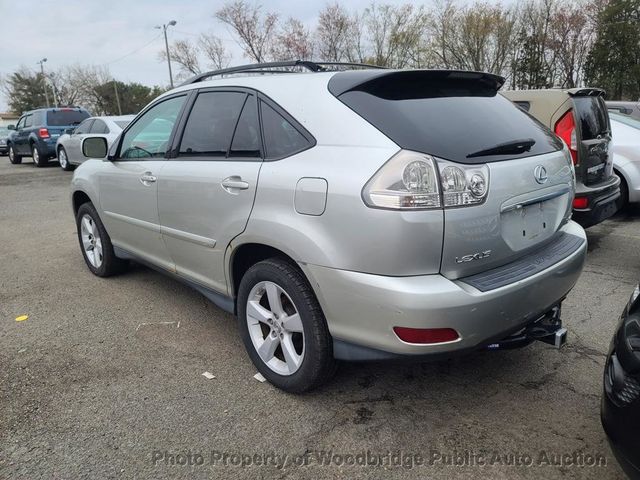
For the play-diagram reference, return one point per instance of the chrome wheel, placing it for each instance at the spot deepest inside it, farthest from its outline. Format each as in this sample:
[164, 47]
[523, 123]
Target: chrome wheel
[275, 328]
[11, 155]
[35, 155]
[62, 158]
[91, 241]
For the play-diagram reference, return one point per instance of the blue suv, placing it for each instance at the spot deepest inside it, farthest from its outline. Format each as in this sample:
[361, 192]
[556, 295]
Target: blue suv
[37, 131]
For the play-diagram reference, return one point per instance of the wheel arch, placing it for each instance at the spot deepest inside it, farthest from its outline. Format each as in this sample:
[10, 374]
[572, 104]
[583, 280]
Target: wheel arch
[78, 198]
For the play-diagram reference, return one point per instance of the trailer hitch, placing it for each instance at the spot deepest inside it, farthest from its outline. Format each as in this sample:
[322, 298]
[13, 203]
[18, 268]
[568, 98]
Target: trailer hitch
[547, 328]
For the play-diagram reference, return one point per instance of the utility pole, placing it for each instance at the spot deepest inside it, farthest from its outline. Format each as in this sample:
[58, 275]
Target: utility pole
[44, 80]
[166, 45]
[115, 87]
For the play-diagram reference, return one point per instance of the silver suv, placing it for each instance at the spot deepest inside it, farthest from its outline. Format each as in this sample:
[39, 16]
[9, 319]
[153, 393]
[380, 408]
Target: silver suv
[362, 214]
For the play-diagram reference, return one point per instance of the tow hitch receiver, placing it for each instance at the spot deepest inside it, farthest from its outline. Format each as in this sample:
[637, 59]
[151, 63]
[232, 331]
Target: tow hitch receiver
[548, 329]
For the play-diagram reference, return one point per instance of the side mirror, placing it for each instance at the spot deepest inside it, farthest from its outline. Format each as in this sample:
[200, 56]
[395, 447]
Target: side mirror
[94, 147]
[69, 131]
[11, 127]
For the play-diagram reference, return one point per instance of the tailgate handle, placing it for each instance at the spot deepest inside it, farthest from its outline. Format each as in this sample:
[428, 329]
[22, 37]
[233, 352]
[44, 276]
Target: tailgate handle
[547, 196]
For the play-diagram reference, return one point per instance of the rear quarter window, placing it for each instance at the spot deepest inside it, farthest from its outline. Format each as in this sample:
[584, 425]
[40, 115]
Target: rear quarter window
[281, 137]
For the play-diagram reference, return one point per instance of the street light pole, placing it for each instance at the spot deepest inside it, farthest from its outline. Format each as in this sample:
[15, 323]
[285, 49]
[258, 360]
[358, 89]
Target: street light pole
[44, 80]
[166, 45]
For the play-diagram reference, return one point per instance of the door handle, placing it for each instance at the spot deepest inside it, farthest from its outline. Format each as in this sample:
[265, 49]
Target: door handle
[234, 183]
[148, 178]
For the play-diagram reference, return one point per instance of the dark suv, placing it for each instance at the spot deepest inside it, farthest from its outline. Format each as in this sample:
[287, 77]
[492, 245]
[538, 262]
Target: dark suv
[579, 116]
[38, 130]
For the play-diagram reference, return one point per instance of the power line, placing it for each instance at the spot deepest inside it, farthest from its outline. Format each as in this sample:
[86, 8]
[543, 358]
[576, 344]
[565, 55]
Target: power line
[133, 51]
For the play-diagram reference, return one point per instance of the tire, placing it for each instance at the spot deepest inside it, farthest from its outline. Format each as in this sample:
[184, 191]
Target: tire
[623, 200]
[308, 336]
[14, 158]
[102, 263]
[38, 160]
[63, 159]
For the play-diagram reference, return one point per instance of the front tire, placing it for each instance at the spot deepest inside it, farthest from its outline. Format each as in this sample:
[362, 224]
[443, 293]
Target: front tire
[38, 160]
[63, 159]
[95, 243]
[283, 327]
[14, 158]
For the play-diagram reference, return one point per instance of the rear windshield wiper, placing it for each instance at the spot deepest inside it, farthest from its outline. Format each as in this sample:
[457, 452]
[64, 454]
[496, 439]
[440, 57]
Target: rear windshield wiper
[514, 146]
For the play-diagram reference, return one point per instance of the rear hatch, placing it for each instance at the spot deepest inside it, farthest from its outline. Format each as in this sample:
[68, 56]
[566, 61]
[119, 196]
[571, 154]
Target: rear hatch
[60, 119]
[593, 135]
[459, 119]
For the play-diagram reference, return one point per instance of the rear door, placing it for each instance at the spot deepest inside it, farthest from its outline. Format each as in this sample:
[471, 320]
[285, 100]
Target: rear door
[205, 193]
[469, 129]
[593, 132]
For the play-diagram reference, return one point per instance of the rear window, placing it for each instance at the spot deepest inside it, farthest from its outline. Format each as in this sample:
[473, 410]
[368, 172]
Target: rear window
[630, 121]
[63, 118]
[450, 118]
[591, 113]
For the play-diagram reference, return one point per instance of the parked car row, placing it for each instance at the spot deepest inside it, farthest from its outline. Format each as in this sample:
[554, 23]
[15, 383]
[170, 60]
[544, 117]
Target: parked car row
[48, 133]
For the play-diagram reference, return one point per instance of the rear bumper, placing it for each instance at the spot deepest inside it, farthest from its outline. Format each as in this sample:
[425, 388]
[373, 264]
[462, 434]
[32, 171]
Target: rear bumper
[362, 309]
[601, 202]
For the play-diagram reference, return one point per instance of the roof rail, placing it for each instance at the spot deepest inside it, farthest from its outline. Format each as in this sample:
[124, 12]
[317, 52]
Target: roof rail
[293, 66]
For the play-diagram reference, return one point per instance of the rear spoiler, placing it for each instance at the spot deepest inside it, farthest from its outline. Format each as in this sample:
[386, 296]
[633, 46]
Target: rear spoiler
[373, 79]
[586, 92]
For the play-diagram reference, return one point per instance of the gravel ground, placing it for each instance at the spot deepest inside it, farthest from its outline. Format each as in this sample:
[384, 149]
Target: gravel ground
[104, 380]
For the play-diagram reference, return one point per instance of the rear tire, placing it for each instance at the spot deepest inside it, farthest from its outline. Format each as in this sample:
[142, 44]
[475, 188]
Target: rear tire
[63, 159]
[14, 158]
[38, 160]
[95, 243]
[285, 332]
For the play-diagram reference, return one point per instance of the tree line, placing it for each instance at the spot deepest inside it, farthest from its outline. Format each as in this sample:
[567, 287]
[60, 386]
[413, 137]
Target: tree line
[533, 44]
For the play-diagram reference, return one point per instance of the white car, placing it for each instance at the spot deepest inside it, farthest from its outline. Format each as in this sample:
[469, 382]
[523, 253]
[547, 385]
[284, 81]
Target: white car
[626, 156]
[69, 145]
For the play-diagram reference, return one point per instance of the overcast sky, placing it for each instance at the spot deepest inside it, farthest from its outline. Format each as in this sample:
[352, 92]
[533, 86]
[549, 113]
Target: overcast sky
[102, 32]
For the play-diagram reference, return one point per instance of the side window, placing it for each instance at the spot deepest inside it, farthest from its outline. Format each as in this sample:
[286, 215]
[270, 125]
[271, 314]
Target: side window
[281, 139]
[99, 127]
[246, 139]
[211, 123]
[149, 136]
[84, 127]
[20, 123]
[28, 121]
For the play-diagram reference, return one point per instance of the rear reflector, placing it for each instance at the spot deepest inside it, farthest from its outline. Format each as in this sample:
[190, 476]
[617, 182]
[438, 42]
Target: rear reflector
[43, 133]
[580, 202]
[426, 335]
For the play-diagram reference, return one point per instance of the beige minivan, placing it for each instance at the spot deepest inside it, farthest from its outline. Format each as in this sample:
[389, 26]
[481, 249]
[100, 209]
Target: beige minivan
[579, 116]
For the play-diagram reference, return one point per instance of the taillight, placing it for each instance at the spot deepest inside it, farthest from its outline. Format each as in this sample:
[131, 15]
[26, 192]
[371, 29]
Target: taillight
[43, 133]
[566, 129]
[426, 335]
[410, 181]
[580, 202]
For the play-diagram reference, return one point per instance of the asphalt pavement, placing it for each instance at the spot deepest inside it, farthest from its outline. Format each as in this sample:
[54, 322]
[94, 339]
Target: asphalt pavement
[104, 379]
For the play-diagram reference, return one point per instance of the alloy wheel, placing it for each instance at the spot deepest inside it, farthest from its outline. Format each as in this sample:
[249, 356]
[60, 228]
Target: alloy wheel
[275, 328]
[62, 158]
[35, 155]
[91, 241]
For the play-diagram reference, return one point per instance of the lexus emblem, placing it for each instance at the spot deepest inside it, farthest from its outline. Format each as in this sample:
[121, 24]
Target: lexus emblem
[540, 173]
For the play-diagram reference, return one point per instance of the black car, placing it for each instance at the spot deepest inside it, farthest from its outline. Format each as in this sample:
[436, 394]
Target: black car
[621, 398]
[38, 130]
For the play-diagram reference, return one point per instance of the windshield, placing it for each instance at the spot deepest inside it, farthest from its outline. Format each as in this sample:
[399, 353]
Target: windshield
[454, 119]
[63, 118]
[632, 122]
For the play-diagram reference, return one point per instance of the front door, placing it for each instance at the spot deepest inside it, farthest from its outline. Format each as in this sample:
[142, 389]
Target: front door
[206, 193]
[128, 184]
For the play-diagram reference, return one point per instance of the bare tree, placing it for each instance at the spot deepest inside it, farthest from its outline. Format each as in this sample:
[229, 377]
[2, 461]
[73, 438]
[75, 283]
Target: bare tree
[185, 54]
[334, 34]
[292, 42]
[254, 29]
[214, 50]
